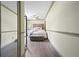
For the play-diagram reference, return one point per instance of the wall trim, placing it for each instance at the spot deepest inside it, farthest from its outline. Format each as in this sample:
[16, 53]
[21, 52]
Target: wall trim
[66, 33]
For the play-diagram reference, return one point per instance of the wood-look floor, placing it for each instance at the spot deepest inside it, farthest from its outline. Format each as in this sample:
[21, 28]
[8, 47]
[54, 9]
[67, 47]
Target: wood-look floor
[35, 49]
[9, 50]
[40, 49]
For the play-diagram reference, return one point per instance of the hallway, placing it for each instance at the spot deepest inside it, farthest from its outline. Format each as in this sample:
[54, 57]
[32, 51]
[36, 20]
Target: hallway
[40, 49]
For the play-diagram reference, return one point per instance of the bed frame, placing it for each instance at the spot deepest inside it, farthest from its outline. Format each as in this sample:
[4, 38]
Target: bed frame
[39, 25]
[37, 38]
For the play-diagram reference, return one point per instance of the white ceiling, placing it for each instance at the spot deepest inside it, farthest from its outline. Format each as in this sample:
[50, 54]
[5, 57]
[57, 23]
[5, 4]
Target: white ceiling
[36, 9]
[32, 8]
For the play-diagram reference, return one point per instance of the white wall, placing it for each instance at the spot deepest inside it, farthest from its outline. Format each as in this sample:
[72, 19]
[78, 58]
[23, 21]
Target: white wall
[64, 17]
[31, 22]
[8, 23]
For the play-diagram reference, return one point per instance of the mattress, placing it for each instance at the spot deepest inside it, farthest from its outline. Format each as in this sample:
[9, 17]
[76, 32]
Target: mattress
[38, 33]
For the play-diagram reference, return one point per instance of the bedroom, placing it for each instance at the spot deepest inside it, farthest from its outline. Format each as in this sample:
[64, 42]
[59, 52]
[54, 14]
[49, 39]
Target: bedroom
[37, 37]
[52, 28]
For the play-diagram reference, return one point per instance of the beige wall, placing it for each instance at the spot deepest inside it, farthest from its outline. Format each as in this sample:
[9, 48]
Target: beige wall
[8, 23]
[64, 17]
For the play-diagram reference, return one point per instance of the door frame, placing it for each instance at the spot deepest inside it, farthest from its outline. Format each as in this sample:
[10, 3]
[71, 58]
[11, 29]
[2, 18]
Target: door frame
[26, 31]
[20, 28]
[0, 28]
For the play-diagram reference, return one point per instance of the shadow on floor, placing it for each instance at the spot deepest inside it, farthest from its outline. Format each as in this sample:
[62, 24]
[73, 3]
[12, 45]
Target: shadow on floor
[10, 50]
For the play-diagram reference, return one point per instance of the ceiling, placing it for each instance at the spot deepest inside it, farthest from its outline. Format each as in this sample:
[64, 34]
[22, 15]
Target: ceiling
[37, 9]
[33, 9]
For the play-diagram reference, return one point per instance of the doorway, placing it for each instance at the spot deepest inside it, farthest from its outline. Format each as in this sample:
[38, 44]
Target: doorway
[12, 29]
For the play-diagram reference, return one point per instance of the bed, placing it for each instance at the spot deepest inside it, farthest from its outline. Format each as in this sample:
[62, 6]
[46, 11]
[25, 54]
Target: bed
[38, 32]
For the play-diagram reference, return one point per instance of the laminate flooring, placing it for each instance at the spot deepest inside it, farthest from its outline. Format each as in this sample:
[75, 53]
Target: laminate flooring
[40, 49]
[9, 50]
[34, 49]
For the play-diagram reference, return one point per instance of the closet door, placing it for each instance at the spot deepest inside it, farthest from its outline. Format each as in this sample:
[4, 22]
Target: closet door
[8, 28]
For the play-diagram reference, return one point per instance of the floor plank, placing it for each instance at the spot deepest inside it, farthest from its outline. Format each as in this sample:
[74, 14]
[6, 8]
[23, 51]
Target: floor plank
[9, 50]
[40, 49]
[35, 49]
